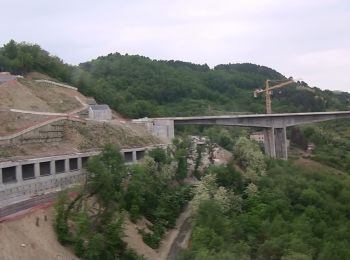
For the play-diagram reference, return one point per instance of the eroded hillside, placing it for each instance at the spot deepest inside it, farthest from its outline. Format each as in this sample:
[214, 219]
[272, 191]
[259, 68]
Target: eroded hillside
[38, 119]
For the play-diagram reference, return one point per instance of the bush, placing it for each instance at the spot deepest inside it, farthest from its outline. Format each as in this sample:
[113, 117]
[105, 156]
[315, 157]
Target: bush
[151, 239]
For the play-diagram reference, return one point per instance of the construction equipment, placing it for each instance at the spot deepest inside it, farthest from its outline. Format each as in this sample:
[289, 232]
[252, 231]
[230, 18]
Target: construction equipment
[268, 91]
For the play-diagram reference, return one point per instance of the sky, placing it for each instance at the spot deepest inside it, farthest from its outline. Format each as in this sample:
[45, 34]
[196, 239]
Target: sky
[306, 39]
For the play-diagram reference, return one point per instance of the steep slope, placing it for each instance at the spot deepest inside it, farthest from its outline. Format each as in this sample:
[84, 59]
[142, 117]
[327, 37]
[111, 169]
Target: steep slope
[24, 239]
[13, 94]
[25, 94]
[28, 106]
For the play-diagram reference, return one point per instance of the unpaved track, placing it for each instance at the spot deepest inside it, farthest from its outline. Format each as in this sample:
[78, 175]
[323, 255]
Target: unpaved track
[174, 239]
[182, 239]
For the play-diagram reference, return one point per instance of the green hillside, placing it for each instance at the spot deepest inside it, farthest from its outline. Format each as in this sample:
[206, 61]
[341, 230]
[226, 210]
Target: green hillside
[138, 86]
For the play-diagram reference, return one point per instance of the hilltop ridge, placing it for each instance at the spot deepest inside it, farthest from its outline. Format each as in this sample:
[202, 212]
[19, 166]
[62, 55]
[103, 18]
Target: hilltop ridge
[138, 86]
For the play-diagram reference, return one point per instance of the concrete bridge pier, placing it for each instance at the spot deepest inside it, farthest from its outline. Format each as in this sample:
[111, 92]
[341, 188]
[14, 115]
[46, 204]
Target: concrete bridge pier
[275, 142]
[269, 142]
[281, 143]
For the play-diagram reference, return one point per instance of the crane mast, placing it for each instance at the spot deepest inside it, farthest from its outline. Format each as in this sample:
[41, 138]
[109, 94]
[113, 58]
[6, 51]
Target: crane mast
[268, 92]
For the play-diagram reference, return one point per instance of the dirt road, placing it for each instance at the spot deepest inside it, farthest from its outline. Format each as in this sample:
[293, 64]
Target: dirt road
[182, 239]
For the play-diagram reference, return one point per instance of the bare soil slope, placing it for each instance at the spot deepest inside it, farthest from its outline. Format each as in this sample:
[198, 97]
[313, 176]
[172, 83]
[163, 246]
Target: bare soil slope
[78, 137]
[37, 75]
[97, 134]
[59, 99]
[11, 122]
[23, 239]
[15, 95]
[29, 95]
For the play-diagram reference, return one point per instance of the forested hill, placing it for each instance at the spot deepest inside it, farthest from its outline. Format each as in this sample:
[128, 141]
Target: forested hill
[137, 86]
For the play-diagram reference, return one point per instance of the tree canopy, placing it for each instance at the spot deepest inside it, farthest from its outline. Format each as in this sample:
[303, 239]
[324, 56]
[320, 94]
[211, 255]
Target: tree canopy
[138, 86]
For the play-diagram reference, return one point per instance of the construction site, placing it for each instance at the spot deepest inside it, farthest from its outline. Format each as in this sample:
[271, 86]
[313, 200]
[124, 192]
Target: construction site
[48, 130]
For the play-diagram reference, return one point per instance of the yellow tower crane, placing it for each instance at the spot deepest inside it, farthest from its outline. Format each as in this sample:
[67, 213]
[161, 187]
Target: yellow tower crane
[268, 91]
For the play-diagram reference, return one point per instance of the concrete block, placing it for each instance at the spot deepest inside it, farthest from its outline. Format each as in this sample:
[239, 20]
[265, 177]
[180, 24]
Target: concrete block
[134, 158]
[66, 165]
[52, 167]
[37, 170]
[80, 163]
[19, 173]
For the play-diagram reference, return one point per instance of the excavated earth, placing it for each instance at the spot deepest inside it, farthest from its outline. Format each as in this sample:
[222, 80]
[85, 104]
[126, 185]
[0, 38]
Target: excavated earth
[25, 103]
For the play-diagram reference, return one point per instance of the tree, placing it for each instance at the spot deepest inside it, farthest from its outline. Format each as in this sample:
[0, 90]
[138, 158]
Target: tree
[159, 155]
[249, 156]
[10, 49]
[208, 190]
[105, 174]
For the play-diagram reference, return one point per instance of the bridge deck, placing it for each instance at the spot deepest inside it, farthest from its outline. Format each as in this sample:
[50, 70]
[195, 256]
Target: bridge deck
[255, 115]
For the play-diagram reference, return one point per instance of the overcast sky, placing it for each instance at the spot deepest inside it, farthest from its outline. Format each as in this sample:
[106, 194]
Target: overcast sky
[308, 39]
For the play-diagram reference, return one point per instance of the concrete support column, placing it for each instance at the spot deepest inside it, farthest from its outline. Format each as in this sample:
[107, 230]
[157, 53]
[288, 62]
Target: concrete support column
[269, 142]
[36, 170]
[281, 143]
[80, 163]
[19, 177]
[52, 167]
[134, 158]
[164, 129]
[1, 176]
[66, 165]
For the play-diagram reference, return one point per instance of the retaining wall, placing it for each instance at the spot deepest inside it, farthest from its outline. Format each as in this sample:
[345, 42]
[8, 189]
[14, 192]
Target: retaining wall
[24, 179]
[51, 130]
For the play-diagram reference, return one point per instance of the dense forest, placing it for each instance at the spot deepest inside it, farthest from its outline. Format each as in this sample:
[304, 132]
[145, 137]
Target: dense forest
[137, 86]
[287, 213]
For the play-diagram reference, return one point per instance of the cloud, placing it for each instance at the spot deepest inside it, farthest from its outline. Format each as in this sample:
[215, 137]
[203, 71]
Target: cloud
[328, 68]
[302, 38]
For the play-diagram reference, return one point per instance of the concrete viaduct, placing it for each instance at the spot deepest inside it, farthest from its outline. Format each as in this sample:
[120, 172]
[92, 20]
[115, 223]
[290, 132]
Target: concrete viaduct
[274, 125]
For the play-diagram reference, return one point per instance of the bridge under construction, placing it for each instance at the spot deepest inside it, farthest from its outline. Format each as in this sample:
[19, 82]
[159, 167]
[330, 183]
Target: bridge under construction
[274, 125]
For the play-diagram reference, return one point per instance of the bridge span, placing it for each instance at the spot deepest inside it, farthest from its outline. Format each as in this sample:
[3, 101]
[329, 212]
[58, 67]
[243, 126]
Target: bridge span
[274, 125]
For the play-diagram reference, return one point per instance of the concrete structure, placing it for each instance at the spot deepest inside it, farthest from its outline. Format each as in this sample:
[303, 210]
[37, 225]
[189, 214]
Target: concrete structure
[162, 128]
[259, 137]
[100, 112]
[23, 179]
[91, 101]
[274, 125]
[6, 76]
